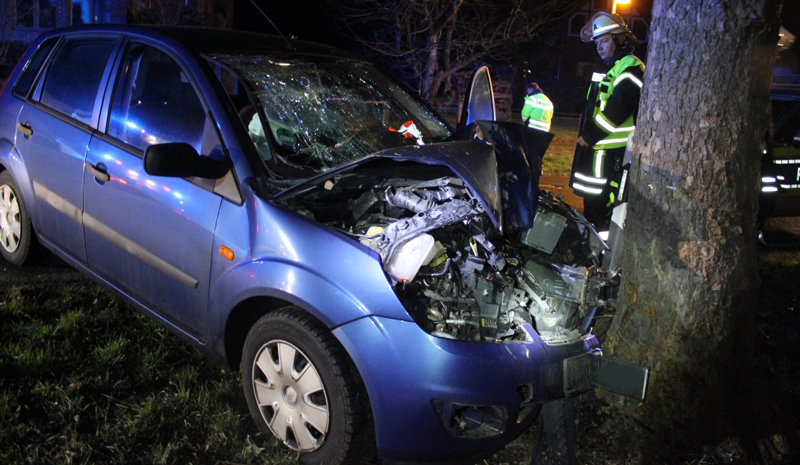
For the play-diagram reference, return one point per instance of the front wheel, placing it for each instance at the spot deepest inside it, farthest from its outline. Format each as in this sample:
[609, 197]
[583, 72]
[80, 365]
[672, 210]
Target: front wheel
[301, 387]
[15, 224]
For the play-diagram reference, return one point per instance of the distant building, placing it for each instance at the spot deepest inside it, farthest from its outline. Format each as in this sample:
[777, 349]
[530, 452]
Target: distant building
[26, 19]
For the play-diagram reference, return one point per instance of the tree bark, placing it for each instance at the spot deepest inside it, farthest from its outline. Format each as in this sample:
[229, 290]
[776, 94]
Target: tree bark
[689, 292]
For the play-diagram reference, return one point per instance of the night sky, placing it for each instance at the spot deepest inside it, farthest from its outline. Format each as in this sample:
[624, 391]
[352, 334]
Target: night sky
[305, 19]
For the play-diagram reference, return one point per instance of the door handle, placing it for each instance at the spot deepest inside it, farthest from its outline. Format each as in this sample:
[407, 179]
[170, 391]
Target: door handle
[99, 172]
[25, 129]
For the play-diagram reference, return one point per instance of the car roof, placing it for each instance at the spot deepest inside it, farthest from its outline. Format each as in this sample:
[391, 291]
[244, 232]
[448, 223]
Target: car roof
[210, 41]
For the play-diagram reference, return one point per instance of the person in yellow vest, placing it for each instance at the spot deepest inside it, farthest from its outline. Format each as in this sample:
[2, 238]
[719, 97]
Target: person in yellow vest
[609, 117]
[537, 112]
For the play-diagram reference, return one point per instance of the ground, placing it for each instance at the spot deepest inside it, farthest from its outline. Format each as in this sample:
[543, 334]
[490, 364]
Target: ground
[776, 348]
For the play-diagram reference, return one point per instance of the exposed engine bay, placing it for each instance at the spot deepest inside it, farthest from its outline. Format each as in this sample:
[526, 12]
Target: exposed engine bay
[456, 274]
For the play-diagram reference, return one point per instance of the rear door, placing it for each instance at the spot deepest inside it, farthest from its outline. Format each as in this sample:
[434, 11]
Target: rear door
[152, 236]
[54, 128]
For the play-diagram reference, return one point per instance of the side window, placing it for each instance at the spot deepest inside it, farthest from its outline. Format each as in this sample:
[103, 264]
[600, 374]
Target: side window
[25, 81]
[154, 102]
[74, 76]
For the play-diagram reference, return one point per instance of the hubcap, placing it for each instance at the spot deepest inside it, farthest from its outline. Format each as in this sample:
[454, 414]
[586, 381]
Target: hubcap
[291, 396]
[10, 221]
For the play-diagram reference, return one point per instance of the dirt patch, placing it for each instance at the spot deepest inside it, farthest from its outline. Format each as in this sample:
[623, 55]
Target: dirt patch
[559, 185]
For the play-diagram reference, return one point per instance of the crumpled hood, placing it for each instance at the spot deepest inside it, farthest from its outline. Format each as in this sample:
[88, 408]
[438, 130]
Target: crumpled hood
[498, 162]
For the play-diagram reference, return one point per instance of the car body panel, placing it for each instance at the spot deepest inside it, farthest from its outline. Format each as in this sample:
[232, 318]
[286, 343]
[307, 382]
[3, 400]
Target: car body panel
[403, 384]
[57, 180]
[152, 236]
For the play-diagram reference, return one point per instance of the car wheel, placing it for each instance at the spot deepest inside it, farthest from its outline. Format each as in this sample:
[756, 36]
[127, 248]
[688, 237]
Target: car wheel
[15, 224]
[301, 387]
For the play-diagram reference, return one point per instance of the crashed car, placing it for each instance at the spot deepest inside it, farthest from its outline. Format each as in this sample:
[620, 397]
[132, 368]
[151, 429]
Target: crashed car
[386, 283]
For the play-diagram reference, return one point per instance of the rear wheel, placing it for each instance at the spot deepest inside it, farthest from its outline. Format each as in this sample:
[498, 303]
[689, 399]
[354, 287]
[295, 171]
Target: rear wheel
[15, 224]
[302, 388]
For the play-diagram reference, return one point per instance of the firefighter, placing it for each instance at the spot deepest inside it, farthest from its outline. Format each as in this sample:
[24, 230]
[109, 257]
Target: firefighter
[538, 109]
[609, 116]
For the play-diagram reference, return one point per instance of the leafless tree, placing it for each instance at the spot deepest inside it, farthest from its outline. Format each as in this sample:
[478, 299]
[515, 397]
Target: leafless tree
[432, 40]
[168, 12]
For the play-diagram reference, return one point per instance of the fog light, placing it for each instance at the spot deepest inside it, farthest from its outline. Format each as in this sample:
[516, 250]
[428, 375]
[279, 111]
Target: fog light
[471, 421]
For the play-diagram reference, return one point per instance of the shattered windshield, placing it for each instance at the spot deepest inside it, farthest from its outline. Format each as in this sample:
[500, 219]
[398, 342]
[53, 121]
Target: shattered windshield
[317, 114]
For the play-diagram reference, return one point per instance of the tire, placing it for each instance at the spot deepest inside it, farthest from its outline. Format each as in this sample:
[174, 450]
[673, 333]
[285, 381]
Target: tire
[556, 435]
[16, 236]
[302, 388]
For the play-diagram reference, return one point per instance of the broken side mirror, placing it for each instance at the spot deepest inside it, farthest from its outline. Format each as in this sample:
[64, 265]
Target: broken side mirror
[181, 160]
[479, 99]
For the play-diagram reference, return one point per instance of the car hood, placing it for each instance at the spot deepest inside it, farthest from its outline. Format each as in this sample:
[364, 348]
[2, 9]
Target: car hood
[498, 162]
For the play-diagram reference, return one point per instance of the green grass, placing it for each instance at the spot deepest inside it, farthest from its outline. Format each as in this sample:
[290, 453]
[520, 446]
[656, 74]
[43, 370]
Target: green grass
[86, 379]
[558, 158]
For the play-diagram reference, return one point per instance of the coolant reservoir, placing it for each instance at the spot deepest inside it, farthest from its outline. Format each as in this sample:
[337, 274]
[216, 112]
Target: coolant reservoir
[410, 256]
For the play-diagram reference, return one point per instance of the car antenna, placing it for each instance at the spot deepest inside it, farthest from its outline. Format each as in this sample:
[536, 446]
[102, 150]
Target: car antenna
[288, 43]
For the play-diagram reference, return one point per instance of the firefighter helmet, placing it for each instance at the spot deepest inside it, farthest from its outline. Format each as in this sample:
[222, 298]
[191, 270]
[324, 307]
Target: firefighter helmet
[603, 23]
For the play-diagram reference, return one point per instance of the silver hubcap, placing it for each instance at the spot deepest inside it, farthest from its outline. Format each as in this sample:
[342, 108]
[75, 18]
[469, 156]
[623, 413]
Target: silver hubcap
[10, 221]
[290, 395]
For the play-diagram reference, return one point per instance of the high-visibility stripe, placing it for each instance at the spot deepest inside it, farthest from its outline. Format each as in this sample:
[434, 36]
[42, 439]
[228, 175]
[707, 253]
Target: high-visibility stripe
[598, 163]
[597, 77]
[538, 125]
[786, 162]
[611, 141]
[601, 30]
[583, 177]
[628, 76]
[588, 190]
[601, 120]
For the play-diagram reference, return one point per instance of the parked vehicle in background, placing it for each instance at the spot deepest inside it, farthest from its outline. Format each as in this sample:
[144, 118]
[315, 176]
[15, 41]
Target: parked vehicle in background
[780, 168]
[385, 283]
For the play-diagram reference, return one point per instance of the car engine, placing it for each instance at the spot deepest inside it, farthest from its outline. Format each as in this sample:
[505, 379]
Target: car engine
[456, 274]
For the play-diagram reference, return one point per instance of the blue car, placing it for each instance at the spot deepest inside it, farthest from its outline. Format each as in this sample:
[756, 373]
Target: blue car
[389, 286]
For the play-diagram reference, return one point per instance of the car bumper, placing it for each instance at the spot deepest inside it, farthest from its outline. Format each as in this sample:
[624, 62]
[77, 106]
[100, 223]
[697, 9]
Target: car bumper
[423, 388]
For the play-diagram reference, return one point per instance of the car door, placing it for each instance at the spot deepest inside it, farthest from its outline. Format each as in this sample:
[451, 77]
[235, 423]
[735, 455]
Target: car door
[54, 128]
[479, 99]
[152, 236]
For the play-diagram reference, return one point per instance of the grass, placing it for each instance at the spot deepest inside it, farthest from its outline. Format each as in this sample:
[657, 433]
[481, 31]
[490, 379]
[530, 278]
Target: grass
[558, 158]
[86, 379]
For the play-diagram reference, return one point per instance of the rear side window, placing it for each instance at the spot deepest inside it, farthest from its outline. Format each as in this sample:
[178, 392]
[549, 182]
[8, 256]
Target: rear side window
[74, 76]
[28, 76]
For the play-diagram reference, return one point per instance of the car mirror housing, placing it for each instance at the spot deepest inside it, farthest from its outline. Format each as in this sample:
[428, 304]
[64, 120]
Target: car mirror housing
[181, 160]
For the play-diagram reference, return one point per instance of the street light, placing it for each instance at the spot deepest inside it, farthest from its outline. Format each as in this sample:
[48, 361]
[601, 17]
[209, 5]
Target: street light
[618, 2]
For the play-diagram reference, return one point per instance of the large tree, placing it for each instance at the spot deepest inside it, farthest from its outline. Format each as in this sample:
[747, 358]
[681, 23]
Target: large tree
[429, 41]
[689, 293]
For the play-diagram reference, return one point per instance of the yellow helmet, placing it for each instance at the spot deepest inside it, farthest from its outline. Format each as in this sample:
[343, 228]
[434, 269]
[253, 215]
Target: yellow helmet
[603, 23]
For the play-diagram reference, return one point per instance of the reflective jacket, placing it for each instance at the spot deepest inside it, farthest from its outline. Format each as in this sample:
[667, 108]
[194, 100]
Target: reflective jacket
[538, 110]
[613, 100]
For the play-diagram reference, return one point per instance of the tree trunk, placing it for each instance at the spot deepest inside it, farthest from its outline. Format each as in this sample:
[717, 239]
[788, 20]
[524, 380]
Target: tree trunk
[689, 292]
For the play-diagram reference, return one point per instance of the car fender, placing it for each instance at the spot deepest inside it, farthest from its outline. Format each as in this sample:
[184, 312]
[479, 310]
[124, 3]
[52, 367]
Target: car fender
[331, 276]
[12, 161]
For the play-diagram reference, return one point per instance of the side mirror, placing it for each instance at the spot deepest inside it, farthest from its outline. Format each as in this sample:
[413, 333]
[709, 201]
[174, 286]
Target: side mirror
[479, 99]
[181, 160]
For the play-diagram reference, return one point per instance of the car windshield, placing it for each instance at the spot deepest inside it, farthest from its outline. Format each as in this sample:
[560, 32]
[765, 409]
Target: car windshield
[319, 114]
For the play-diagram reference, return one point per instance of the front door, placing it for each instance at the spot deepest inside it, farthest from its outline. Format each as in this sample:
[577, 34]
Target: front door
[152, 236]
